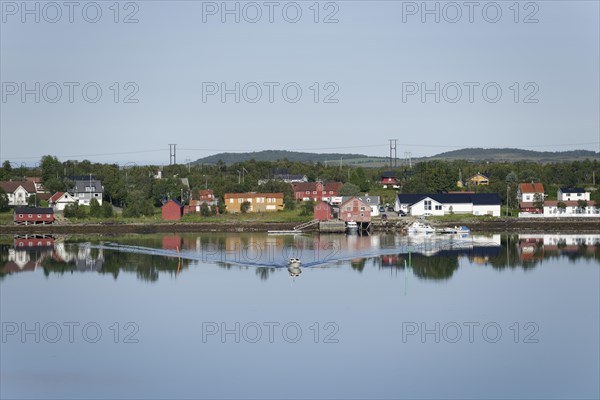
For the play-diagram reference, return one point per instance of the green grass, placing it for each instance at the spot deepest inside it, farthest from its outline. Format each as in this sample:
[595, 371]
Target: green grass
[278, 216]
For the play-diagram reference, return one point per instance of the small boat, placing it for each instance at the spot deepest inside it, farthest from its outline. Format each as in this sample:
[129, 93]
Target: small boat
[420, 227]
[294, 267]
[456, 230]
[351, 226]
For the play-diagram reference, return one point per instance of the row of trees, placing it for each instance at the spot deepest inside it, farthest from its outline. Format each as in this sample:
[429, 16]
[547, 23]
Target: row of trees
[135, 188]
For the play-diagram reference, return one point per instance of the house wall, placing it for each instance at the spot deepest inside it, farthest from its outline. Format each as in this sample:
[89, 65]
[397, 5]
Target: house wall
[419, 208]
[323, 212]
[171, 211]
[355, 210]
[18, 197]
[257, 203]
[34, 218]
[571, 211]
[487, 209]
[572, 196]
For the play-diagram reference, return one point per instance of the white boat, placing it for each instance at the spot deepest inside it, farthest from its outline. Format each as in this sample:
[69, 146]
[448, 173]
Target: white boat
[294, 267]
[420, 227]
[351, 226]
[456, 230]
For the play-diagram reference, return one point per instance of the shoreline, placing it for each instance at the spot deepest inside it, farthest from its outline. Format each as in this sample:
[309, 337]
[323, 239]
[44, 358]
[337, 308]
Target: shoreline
[497, 225]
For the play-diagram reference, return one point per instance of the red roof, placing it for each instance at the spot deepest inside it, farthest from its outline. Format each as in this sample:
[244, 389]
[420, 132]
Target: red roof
[312, 186]
[531, 188]
[11, 186]
[55, 197]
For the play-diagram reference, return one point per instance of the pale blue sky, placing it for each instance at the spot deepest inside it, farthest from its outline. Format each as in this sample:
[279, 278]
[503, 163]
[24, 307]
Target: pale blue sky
[368, 54]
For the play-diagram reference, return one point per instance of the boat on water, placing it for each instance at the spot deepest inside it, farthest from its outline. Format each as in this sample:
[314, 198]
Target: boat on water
[456, 230]
[351, 226]
[420, 227]
[294, 267]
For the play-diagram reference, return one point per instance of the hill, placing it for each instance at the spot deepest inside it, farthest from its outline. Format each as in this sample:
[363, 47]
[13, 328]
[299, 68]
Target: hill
[470, 154]
[509, 154]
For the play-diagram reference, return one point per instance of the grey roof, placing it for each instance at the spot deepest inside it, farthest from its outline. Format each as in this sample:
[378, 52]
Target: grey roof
[34, 210]
[80, 186]
[475, 198]
[370, 200]
[572, 190]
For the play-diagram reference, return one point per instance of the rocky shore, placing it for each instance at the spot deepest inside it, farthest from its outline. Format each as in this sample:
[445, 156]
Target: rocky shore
[492, 225]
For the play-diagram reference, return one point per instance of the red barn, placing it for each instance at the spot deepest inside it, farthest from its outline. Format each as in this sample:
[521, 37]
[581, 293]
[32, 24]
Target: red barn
[355, 210]
[323, 212]
[172, 210]
[316, 191]
[33, 215]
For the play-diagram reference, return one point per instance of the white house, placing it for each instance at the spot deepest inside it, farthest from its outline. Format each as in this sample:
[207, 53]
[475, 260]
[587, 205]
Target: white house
[572, 194]
[571, 209]
[449, 203]
[86, 188]
[18, 192]
[59, 200]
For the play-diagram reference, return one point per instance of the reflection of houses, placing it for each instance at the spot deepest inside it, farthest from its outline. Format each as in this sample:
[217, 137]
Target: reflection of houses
[258, 202]
[27, 253]
[85, 258]
[316, 191]
[33, 215]
[449, 203]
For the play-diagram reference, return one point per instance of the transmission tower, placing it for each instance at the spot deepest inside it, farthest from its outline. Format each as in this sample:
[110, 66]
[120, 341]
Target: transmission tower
[172, 154]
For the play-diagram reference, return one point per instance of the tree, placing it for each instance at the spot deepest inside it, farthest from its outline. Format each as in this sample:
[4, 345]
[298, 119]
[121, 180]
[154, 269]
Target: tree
[107, 209]
[51, 168]
[95, 209]
[204, 209]
[74, 211]
[350, 189]
[137, 205]
[3, 200]
[33, 200]
[245, 207]
[561, 206]
[538, 201]
[307, 208]
[582, 205]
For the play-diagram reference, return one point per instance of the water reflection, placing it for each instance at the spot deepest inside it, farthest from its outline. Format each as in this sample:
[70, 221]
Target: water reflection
[433, 257]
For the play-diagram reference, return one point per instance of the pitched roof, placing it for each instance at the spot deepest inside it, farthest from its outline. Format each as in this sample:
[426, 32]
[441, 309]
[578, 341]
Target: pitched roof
[11, 186]
[54, 198]
[572, 190]
[389, 174]
[34, 210]
[251, 195]
[350, 198]
[174, 201]
[456, 198]
[312, 186]
[80, 186]
[531, 188]
[370, 200]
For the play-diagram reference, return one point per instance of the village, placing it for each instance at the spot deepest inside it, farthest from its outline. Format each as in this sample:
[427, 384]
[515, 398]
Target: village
[333, 206]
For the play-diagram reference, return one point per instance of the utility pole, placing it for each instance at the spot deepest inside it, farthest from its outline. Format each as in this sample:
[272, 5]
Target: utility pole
[394, 158]
[172, 154]
[408, 156]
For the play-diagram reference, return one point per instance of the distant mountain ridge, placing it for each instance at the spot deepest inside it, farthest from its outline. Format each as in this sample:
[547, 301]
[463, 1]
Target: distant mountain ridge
[469, 154]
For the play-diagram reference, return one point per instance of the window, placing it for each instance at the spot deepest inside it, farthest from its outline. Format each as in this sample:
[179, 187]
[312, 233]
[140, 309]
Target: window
[20, 215]
[331, 192]
[39, 216]
[230, 200]
[438, 207]
[362, 215]
[47, 215]
[427, 204]
[30, 216]
[240, 200]
[96, 194]
[308, 192]
[348, 208]
[314, 192]
[362, 209]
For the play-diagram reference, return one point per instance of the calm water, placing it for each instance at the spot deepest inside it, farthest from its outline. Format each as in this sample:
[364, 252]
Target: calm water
[221, 316]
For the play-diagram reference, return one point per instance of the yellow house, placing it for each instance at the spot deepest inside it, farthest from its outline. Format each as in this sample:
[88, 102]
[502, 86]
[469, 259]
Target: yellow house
[479, 179]
[259, 202]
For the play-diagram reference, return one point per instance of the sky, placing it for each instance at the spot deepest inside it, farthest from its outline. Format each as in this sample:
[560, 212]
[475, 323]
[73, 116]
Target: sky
[119, 82]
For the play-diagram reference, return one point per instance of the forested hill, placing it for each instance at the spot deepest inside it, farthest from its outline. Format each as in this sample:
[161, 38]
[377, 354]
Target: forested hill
[508, 154]
[471, 154]
[274, 155]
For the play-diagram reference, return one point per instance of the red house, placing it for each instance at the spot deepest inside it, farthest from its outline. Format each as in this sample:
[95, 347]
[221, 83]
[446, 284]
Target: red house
[389, 178]
[323, 212]
[355, 210]
[316, 191]
[33, 215]
[172, 210]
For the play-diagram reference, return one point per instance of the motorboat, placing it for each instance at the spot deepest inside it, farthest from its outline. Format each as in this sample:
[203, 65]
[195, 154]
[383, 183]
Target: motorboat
[294, 267]
[456, 230]
[351, 226]
[420, 227]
